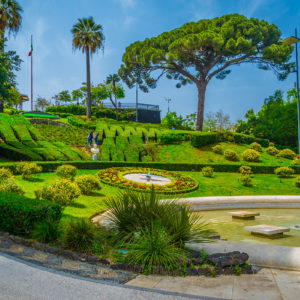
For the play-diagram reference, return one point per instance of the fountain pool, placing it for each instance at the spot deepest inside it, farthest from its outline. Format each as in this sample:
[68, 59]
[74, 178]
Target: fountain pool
[233, 229]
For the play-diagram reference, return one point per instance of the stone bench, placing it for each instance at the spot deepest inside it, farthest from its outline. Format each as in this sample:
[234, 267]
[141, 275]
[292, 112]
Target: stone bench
[248, 215]
[267, 230]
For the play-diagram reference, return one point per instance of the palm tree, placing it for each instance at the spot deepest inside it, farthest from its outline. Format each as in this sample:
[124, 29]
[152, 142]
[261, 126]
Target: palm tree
[88, 37]
[113, 79]
[10, 17]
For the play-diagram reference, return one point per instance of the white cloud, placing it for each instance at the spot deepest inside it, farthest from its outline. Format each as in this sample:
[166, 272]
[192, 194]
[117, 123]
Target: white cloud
[252, 7]
[128, 21]
[204, 9]
[128, 3]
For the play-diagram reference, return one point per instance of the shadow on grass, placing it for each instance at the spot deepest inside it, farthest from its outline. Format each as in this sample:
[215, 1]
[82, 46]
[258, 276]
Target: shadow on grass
[96, 194]
[34, 179]
[78, 205]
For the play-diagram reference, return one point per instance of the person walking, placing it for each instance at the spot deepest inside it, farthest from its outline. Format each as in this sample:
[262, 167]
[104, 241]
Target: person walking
[96, 138]
[90, 138]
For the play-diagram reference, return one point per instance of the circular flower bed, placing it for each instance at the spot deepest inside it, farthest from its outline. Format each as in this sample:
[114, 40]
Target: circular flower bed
[179, 183]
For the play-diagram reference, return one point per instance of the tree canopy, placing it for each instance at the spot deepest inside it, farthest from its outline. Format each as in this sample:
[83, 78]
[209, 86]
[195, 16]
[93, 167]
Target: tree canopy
[198, 51]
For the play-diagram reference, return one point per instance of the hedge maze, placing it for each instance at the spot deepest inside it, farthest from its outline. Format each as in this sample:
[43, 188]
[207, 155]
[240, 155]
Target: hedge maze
[19, 140]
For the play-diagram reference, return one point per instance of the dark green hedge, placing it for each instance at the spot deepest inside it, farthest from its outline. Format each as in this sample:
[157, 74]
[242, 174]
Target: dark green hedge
[95, 165]
[19, 214]
[241, 138]
[203, 139]
[14, 153]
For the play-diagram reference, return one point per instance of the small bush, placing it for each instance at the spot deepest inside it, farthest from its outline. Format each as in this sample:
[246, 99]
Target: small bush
[61, 191]
[271, 150]
[18, 214]
[231, 155]
[10, 186]
[284, 172]
[5, 174]
[297, 182]
[251, 155]
[208, 172]
[295, 162]
[217, 149]
[153, 248]
[256, 146]
[246, 180]
[170, 139]
[66, 171]
[245, 170]
[287, 153]
[79, 235]
[46, 231]
[88, 183]
[27, 169]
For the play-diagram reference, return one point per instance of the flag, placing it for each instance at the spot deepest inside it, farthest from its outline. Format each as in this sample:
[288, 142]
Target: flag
[31, 49]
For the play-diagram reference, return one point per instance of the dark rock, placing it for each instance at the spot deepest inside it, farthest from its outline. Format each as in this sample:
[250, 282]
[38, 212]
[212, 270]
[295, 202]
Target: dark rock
[198, 261]
[194, 253]
[5, 244]
[247, 270]
[104, 261]
[70, 255]
[38, 246]
[51, 250]
[92, 259]
[4, 234]
[204, 271]
[228, 259]
[215, 236]
[192, 272]
[122, 266]
[19, 240]
[228, 271]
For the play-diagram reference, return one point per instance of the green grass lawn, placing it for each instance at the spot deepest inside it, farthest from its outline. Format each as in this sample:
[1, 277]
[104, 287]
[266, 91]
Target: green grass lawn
[223, 184]
[186, 153]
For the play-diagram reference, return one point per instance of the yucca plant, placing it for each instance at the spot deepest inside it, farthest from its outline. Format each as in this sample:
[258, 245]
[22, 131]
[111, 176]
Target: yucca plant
[132, 212]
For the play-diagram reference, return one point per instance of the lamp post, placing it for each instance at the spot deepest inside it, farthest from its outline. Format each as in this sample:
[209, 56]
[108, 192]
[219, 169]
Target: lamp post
[136, 102]
[168, 100]
[294, 40]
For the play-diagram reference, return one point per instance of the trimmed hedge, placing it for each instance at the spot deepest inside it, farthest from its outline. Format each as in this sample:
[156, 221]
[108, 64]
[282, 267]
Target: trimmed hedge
[94, 165]
[18, 214]
[14, 153]
[203, 139]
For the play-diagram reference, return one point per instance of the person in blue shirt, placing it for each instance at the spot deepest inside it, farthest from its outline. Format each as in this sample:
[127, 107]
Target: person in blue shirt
[90, 139]
[96, 138]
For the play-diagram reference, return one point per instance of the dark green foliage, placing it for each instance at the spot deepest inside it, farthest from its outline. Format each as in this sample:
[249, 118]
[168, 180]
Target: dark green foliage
[14, 153]
[152, 247]
[170, 139]
[203, 139]
[240, 138]
[46, 231]
[79, 235]
[131, 212]
[18, 214]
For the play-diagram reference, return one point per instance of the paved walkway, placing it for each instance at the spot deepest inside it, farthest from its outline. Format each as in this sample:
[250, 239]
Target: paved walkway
[268, 284]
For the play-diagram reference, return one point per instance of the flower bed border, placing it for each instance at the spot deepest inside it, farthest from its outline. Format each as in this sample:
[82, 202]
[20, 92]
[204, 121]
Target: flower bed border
[177, 180]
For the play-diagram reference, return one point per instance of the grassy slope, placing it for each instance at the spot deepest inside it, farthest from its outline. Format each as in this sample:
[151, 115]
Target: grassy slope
[186, 153]
[226, 184]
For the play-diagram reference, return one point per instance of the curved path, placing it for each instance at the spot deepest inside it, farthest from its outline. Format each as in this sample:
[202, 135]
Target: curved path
[22, 281]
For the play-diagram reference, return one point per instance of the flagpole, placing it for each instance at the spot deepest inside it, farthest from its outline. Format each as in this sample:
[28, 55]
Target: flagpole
[31, 78]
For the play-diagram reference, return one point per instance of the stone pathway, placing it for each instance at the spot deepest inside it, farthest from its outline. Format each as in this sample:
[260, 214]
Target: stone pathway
[268, 284]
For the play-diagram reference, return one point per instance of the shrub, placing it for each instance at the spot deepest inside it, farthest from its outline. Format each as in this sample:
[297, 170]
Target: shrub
[271, 150]
[256, 146]
[46, 231]
[246, 180]
[18, 214]
[88, 183]
[208, 171]
[287, 153]
[295, 162]
[28, 169]
[10, 186]
[217, 149]
[203, 138]
[61, 191]
[5, 174]
[251, 155]
[284, 172]
[231, 155]
[66, 171]
[170, 138]
[131, 212]
[245, 170]
[152, 248]
[79, 235]
[297, 182]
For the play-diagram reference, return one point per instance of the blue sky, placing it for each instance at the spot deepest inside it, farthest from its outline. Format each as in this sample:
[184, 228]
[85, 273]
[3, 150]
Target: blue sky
[57, 67]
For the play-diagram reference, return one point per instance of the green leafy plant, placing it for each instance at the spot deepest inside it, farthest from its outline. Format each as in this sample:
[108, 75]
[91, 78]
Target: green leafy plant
[208, 172]
[238, 270]
[11, 186]
[251, 155]
[66, 171]
[79, 235]
[152, 247]
[297, 182]
[28, 169]
[217, 149]
[88, 183]
[5, 174]
[271, 150]
[46, 231]
[61, 191]
[284, 172]
[287, 153]
[246, 180]
[231, 155]
[245, 170]
[256, 146]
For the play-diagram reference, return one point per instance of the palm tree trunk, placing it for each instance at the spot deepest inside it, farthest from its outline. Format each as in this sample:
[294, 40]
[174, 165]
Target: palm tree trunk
[201, 86]
[116, 104]
[2, 52]
[88, 84]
